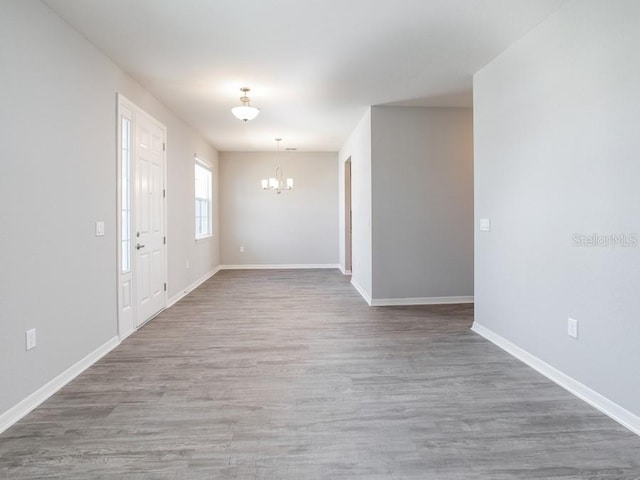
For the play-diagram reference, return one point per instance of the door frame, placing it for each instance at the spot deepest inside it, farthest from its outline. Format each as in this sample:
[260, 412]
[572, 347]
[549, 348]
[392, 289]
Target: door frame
[348, 219]
[127, 321]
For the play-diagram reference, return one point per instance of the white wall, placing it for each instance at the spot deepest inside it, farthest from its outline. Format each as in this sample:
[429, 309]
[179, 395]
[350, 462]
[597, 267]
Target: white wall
[296, 227]
[358, 149]
[422, 203]
[557, 153]
[57, 177]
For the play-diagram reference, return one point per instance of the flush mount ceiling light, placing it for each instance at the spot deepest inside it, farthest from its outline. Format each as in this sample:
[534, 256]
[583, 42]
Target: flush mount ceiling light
[277, 183]
[245, 111]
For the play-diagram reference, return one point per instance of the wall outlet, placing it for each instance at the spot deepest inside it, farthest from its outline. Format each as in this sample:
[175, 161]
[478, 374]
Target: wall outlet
[99, 229]
[30, 337]
[485, 224]
[572, 327]
[241, 249]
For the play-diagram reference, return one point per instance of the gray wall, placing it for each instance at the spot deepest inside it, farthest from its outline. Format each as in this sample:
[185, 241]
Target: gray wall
[201, 256]
[57, 177]
[297, 227]
[358, 149]
[422, 202]
[557, 153]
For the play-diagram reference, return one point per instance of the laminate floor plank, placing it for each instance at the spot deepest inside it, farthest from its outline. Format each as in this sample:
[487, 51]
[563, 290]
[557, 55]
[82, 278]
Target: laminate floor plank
[290, 375]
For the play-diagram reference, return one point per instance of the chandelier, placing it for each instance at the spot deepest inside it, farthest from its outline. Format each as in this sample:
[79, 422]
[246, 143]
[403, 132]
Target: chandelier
[245, 111]
[277, 183]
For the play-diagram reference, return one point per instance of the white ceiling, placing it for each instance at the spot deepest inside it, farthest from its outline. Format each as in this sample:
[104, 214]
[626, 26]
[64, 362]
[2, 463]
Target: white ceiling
[313, 66]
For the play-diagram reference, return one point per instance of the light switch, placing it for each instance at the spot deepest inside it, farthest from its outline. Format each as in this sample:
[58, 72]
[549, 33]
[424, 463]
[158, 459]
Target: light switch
[572, 327]
[30, 338]
[99, 229]
[485, 224]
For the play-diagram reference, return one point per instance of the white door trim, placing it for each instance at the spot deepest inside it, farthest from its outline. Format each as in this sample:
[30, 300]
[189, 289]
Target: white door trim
[127, 294]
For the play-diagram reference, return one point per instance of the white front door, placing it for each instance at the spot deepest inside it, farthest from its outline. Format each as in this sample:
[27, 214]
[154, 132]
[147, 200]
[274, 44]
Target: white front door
[149, 227]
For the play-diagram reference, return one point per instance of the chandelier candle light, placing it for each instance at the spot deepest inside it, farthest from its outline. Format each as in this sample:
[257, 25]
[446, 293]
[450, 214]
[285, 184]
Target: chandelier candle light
[245, 111]
[277, 183]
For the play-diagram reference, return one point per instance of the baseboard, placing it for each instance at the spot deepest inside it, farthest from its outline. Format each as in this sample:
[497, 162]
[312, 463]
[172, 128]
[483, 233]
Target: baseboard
[593, 398]
[179, 296]
[361, 291]
[38, 397]
[126, 335]
[343, 270]
[385, 302]
[282, 266]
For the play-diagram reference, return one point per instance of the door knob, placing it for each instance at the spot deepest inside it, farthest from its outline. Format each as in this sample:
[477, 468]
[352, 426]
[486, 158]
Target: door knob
[139, 246]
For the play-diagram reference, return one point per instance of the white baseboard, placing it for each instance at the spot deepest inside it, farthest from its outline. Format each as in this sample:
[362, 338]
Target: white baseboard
[361, 291]
[27, 405]
[611, 409]
[283, 266]
[126, 334]
[385, 302]
[179, 296]
[343, 270]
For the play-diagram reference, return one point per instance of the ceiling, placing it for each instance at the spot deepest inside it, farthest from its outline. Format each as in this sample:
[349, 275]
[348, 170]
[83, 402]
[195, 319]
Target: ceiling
[313, 66]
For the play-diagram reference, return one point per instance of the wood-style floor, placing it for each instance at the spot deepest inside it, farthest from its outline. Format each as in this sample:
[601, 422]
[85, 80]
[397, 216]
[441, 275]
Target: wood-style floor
[290, 375]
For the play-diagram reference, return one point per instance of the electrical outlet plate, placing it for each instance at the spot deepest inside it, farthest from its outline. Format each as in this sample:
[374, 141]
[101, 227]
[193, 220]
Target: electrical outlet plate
[572, 328]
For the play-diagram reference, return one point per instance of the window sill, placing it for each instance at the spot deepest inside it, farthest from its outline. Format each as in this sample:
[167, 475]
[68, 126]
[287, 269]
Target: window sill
[204, 239]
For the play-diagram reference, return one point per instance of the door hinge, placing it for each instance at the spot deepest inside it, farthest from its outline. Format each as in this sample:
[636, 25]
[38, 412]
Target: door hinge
[164, 193]
[164, 240]
[164, 147]
[165, 286]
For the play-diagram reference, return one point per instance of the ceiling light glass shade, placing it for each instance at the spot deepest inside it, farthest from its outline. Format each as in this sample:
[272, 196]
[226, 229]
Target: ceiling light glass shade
[277, 183]
[245, 112]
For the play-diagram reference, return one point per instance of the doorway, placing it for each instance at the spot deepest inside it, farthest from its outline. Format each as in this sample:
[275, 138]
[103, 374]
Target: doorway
[141, 214]
[348, 214]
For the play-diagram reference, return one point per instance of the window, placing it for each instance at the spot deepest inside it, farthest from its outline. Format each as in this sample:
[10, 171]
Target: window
[203, 200]
[125, 201]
